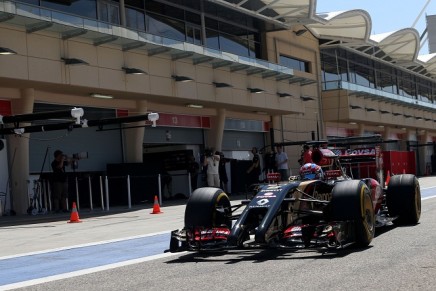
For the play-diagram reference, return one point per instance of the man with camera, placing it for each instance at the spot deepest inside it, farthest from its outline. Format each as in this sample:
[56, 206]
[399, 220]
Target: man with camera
[60, 182]
[211, 161]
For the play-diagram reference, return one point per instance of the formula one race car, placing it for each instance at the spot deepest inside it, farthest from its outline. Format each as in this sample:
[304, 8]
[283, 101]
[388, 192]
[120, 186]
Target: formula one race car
[322, 207]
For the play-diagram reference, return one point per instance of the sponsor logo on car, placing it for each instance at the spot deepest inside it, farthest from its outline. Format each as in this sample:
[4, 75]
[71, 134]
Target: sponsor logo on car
[361, 151]
[266, 195]
[273, 188]
[262, 202]
[322, 196]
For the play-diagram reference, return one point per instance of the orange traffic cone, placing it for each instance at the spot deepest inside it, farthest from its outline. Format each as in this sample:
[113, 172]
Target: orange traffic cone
[156, 207]
[388, 178]
[74, 215]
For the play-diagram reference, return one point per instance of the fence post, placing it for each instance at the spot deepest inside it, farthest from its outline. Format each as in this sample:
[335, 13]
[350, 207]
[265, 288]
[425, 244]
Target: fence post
[160, 188]
[90, 192]
[77, 194]
[41, 194]
[28, 193]
[107, 193]
[101, 193]
[129, 199]
[44, 182]
[189, 183]
[49, 195]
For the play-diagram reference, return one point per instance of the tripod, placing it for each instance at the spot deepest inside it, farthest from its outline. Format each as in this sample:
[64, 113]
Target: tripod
[36, 205]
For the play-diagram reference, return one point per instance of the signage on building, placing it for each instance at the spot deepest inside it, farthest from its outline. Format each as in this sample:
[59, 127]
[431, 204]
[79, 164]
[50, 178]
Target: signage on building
[5, 108]
[179, 120]
[246, 125]
[175, 120]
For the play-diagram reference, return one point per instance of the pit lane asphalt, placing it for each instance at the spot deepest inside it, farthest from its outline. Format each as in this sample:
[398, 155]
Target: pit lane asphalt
[102, 238]
[26, 233]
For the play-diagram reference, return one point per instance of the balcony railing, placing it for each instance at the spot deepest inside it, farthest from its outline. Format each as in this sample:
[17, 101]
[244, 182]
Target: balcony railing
[35, 18]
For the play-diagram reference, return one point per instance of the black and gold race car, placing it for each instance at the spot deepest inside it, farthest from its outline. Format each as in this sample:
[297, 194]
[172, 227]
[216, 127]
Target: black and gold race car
[322, 207]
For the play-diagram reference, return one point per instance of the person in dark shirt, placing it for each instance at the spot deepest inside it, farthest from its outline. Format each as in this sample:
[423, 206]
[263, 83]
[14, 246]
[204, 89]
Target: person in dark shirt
[60, 182]
[270, 162]
[193, 170]
[253, 171]
[167, 184]
[223, 173]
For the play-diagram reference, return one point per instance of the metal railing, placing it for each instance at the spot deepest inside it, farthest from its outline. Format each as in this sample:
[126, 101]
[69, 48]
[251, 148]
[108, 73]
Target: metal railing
[107, 191]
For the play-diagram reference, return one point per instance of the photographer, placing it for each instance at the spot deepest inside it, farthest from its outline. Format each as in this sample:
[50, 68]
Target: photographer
[211, 161]
[60, 182]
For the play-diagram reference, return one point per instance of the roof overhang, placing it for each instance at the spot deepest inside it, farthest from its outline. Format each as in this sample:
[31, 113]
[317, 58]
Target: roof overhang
[350, 26]
[352, 29]
[100, 33]
[281, 13]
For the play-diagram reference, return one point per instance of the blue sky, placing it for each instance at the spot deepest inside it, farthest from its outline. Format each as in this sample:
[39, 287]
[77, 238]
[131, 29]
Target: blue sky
[386, 15]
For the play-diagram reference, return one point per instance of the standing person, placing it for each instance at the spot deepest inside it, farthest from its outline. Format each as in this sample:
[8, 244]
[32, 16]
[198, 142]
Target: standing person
[253, 171]
[167, 185]
[212, 162]
[282, 163]
[223, 173]
[307, 154]
[193, 169]
[270, 162]
[60, 182]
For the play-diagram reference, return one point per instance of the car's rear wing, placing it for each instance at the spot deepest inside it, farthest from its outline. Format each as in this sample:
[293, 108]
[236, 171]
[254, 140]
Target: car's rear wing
[368, 151]
[337, 142]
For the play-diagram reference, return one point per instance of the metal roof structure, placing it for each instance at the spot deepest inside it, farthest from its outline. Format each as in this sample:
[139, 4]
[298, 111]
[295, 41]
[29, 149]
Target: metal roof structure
[283, 13]
[34, 19]
[348, 28]
[352, 29]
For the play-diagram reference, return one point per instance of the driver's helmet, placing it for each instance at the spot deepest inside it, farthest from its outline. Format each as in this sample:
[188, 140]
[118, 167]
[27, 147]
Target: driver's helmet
[311, 171]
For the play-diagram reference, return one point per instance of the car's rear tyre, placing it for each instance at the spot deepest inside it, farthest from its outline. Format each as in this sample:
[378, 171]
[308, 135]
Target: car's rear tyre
[351, 200]
[208, 207]
[403, 199]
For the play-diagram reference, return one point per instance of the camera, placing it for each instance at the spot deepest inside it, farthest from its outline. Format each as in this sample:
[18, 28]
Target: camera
[76, 156]
[73, 160]
[208, 153]
[80, 156]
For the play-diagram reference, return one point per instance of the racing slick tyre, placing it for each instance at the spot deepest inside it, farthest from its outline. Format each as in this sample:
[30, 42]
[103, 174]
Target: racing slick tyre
[403, 199]
[208, 207]
[351, 200]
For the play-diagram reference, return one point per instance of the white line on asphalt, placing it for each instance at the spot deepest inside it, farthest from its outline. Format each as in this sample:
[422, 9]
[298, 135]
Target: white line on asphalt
[84, 245]
[428, 197]
[428, 188]
[85, 271]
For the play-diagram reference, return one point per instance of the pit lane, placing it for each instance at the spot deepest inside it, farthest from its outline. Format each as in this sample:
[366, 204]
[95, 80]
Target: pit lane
[402, 254]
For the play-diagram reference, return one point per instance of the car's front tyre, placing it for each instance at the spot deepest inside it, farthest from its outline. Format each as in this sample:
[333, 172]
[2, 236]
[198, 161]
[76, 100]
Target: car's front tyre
[351, 201]
[208, 207]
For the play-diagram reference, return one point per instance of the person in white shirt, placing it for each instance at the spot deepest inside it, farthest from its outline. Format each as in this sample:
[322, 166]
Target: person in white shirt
[282, 163]
[212, 162]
